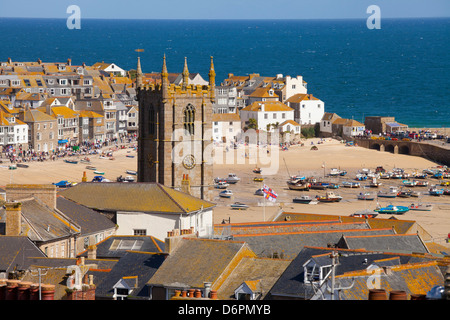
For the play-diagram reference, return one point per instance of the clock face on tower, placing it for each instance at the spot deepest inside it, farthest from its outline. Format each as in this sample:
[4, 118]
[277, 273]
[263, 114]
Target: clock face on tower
[189, 161]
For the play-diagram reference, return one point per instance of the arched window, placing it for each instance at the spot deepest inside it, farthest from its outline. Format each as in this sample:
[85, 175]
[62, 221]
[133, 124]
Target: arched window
[189, 119]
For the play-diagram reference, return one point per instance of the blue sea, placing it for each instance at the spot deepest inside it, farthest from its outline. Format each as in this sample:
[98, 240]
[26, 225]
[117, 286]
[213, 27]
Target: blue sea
[401, 70]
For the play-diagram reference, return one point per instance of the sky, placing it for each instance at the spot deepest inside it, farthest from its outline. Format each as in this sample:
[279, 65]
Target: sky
[224, 9]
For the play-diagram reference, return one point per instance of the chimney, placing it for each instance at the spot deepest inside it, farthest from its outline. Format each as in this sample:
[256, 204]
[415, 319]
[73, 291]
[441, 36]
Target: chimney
[186, 184]
[43, 192]
[13, 218]
[92, 252]
[207, 290]
[69, 62]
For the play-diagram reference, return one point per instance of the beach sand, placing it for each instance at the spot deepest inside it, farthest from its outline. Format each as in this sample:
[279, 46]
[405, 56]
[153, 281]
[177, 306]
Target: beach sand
[298, 160]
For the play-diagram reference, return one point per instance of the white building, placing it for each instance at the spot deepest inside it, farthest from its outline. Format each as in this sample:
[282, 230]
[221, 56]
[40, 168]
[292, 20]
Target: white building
[110, 68]
[268, 115]
[294, 86]
[326, 124]
[353, 128]
[13, 132]
[308, 109]
[226, 126]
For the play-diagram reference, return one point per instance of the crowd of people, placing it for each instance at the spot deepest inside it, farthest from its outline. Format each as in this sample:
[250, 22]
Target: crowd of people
[19, 155]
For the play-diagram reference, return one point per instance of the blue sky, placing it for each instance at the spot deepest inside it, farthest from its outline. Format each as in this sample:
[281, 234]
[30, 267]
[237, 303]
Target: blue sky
[225, 9]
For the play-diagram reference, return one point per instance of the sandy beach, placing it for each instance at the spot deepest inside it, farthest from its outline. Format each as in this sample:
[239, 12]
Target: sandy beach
[297, 160]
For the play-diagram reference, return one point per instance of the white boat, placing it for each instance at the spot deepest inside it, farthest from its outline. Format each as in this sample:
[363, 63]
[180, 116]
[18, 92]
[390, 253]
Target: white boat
[420, 206]
[365, 196]
[132, 172]
[391, 193]
[351, 184]
[129, 179]
[221, 185]
[259, 192]
[226, 194]
[232, 178]
[239, 206]
[335, 172]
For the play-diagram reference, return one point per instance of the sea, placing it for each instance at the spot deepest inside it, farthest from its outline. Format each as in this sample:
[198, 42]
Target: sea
[400, 70]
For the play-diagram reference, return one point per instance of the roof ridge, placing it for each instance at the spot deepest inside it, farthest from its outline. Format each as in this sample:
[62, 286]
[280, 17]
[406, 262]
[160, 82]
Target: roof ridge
[307, 232]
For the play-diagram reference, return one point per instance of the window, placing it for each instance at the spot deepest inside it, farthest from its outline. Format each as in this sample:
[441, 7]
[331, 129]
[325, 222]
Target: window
[266, 116]
[189, 119]
[274, 115]
[293, 86]
[283, 115]
[140, 232]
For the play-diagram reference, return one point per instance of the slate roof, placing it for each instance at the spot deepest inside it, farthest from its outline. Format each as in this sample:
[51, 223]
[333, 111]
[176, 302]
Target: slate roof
[41, 223]
[262, 270]
[136, 268]
[134, 197]
[15, 251]
[89, 220]
[288, 245]
[392, 243]
[115, 247]
[283, 227]
[291, 282]
[195, 261]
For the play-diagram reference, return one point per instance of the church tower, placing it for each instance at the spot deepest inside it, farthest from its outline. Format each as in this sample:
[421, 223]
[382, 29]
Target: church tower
[175, 138]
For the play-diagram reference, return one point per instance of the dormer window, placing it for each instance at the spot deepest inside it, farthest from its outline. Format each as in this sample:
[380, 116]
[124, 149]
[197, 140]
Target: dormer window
[63, 82]
[314, 272]
[270, 92]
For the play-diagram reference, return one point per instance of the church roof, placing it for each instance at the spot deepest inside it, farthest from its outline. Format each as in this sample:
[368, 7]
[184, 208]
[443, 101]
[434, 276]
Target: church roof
[134, 197]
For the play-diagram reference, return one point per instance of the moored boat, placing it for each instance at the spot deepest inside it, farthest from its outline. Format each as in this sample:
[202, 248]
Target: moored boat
[259, 192]
[71, 161]
[133, 172]
[350, 184]
[392, 209]
[258, 179]
[221, 185]
[435, 191]
[226, 194]
[257, 170]
[239, 206]
[329, 197]
[420, 206]
[21, 165]
[301, 185]
[302, 199]
[232, 178]
[365, 196]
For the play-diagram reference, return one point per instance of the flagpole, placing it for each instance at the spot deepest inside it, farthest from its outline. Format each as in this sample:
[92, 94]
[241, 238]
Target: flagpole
[264, 208]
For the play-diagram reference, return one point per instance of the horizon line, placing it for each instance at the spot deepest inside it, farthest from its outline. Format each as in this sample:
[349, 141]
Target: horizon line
[234, 19]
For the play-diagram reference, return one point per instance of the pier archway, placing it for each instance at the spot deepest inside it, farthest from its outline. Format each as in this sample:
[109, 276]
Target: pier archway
[403, 150]
[375, 146]
[389, 148]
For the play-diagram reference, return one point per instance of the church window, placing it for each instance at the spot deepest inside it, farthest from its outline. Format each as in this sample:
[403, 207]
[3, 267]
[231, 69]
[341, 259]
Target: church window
[189, 119]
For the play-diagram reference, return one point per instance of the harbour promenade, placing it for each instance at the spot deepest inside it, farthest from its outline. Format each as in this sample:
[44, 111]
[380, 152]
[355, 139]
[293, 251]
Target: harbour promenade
[433, 151]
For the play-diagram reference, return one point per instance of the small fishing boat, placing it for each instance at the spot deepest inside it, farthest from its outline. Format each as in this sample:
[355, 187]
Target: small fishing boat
[409, 183]
[302, 199]
[129, 156]
[421, 183]
[317, 186]
[21, 165]
[129, 179]
[299, 186]
[91, 168]
[385, 175]
[391, 193]
[433, 191]
[366, 196]
[132, 172]
[257, 179]
[335, 172]
[392, 209]
[226, 194]
[374, 183]
[404, 194]
[99, 172]
[329, 197]
[259, 192]
[420, 207]
[71, 161]
[350, 184]
[257, 170]
[367, 214]
[239, 206]
[333, 186]
[443, 183]
[221, 185]
[415, 194]
[232, 178]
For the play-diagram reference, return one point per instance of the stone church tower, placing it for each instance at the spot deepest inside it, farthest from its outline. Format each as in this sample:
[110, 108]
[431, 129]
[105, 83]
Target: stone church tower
[175, 138]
